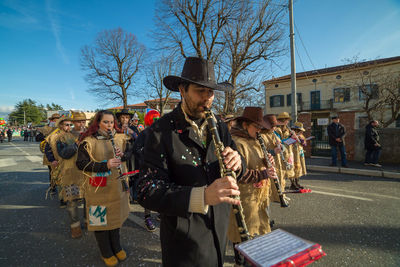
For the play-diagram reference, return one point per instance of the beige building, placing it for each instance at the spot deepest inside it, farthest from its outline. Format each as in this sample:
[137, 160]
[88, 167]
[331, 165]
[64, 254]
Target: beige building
[325, 92]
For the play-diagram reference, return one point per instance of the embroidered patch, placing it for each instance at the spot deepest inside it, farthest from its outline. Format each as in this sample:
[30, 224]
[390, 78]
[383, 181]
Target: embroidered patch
[98, 215]
[71, 190]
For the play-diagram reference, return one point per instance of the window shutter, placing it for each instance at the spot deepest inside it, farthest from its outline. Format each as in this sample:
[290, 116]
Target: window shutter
[282, 98]
[271, 101]
[288, 99]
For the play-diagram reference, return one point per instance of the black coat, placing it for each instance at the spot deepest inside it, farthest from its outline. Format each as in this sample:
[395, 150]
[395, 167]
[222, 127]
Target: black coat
[333, 133]
[371, 138]
[175, 161]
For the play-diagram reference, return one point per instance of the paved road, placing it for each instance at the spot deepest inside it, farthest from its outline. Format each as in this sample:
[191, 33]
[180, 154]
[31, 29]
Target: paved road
[355, 219]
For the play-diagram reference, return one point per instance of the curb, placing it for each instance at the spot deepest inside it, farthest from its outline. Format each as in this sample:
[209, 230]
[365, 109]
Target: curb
[377, 173]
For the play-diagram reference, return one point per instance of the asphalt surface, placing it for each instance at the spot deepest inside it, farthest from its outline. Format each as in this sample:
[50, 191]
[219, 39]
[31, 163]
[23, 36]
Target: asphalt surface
[356, 219]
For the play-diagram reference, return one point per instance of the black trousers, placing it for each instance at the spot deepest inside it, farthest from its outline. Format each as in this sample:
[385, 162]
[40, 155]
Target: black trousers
[108, 242]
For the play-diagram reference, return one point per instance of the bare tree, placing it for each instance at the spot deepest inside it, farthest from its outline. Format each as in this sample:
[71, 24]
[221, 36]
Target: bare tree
[154, 80]
[193, 27]
[378, 88]
[111, 64]
[252, 38]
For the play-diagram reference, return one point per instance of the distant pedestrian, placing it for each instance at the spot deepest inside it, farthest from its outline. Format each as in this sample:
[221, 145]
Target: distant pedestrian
[2, 135]
[372, 144]
[336, 134]
[9, 134]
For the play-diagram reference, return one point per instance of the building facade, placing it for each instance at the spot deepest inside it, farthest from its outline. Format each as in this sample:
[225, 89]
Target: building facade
[341, 90]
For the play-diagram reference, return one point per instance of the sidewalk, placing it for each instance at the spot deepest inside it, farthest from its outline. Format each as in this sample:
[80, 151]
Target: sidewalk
[355, 167]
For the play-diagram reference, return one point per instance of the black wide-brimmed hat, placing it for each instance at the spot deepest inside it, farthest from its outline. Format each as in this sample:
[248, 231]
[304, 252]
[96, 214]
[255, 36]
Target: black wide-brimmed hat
[254, 114]
[198, 71]
[123, 112]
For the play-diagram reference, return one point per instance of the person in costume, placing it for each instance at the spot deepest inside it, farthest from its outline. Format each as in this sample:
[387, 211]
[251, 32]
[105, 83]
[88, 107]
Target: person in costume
[71, 179]
[283, 133]
[107, 204]
[230, 121]
[255, 187]
[149, 119]
[273, 146]
[135, 124]
[299, 157]
[180, 177]
[43, 132]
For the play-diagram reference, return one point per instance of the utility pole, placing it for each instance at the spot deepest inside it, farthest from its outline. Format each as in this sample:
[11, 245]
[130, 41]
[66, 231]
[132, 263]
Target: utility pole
[293, 64]
[24, 118]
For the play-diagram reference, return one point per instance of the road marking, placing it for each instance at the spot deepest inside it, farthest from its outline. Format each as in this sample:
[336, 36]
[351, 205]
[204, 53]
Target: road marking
[34, 158]
[27, 155]
[340, 195]
[7, 162]
[19, 207]
[356, 192]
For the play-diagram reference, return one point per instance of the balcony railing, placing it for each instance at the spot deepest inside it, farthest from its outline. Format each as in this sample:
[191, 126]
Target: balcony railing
[321, 105]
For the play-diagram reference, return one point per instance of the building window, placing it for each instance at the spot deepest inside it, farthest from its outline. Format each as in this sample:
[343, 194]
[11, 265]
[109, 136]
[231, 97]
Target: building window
[398, 121]
[341, 95]
[289, 99]
[276, 101]
[371, 90]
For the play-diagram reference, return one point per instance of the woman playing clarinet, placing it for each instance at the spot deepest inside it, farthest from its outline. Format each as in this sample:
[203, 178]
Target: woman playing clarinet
[254, 186]
[101, 158]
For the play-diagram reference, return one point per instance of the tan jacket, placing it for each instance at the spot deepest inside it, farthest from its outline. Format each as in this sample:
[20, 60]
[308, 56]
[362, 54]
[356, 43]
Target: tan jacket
[288, 153]
[107, 207]
[46, 131]
[52, 141]
[71, 177]
[271, 142]
[254, 197]
[299, 160]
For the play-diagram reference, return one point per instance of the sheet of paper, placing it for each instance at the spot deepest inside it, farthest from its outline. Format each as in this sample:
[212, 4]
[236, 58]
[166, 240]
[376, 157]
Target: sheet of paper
[272, 248]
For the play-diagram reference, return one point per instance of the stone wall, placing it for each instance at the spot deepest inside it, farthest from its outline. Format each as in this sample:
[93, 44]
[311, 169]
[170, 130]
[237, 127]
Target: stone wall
[390, 141]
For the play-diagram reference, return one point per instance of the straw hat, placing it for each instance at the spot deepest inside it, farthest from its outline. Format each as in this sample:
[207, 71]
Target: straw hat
[62, 119]
[298, 125]
[198, 71]
[283, 115]
[55, 116]
[78, 116]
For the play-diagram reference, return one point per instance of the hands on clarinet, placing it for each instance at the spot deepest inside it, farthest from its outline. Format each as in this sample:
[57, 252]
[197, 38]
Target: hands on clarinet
[232, 159]
[221, 190]
[113, 163]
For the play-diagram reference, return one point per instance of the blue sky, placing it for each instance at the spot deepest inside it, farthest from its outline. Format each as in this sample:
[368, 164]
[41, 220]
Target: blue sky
[41, 41]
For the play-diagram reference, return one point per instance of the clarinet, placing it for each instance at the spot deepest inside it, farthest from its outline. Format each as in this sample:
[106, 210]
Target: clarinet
[125, 186]
[282, 200]
[288, 166]
[219, 147]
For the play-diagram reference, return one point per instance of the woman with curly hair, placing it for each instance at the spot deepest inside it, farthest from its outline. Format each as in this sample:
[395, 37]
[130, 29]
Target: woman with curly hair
[107, 204]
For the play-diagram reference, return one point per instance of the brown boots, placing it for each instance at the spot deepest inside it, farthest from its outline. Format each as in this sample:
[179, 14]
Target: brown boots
[76, 231]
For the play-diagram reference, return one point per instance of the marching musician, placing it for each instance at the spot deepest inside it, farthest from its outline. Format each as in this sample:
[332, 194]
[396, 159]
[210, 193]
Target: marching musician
[64, 142]
[283, 133]
[298, 153]
[107, 204]
[254, 186]
[180, 177]
[43, 133]
[273, 146]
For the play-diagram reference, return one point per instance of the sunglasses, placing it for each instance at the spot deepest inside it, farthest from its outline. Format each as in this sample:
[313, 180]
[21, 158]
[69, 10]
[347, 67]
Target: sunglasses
[68, 124]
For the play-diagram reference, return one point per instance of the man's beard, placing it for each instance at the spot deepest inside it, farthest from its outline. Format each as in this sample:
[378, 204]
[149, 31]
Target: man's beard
[196, 111]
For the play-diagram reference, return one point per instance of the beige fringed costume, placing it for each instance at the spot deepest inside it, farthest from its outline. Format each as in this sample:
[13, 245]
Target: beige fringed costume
[107, 205]
[254, 196]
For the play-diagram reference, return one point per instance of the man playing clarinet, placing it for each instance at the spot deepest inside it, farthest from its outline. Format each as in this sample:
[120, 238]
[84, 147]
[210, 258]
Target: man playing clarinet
[180, 177]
